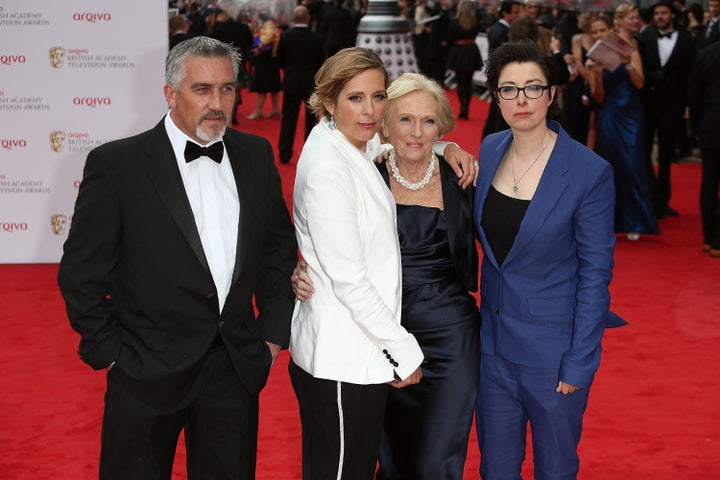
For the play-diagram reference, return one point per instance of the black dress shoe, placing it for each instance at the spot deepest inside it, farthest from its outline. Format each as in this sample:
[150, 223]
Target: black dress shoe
[670, 212]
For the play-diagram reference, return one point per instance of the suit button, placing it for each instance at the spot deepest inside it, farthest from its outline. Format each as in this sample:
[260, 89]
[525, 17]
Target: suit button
[221, 324]
[388, 356]
[385, 351]
[395, 364]
[497, 309]
[211, 296]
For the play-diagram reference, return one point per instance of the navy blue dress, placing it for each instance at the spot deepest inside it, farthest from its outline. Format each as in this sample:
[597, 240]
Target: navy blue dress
[620, 140]
[427, 425]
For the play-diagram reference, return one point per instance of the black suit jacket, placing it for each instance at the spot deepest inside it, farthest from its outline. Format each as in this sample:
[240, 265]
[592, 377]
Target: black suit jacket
[135, 279]
[666, 86]
[497, 35]
[704, 96]
[714, 34]
[177, 38]
[300, 54]
[458, 204]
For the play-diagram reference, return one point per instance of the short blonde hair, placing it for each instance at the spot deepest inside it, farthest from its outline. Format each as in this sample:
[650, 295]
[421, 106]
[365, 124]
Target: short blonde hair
[338, 70]
[623, 11]
[414, 82]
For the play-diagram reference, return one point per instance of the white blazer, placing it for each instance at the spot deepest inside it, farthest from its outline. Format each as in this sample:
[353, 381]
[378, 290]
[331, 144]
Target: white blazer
[345, 224]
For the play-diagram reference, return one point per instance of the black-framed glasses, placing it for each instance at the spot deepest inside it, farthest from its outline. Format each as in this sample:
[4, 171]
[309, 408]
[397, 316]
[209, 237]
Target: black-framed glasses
[531, 92]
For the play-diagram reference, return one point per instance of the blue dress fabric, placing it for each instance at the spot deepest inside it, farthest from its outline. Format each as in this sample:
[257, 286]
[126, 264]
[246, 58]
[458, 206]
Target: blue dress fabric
[620, 141]
[427, 425]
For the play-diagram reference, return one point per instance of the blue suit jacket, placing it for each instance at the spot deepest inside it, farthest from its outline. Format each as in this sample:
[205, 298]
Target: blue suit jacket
[547, 305]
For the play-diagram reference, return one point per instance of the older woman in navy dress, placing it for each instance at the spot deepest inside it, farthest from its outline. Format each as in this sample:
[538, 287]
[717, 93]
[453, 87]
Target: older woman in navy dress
[427, 424]
[544, 213]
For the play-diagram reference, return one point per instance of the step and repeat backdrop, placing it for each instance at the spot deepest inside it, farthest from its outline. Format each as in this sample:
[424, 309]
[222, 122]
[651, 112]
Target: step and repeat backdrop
[73, 75]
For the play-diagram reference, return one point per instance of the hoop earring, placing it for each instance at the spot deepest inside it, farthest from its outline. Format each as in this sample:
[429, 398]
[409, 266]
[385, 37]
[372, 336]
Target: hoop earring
[331, 123]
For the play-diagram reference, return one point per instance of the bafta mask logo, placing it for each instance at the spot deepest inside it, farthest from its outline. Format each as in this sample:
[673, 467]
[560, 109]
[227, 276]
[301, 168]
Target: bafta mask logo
[58, 222]
[57, 141]
[57, 56]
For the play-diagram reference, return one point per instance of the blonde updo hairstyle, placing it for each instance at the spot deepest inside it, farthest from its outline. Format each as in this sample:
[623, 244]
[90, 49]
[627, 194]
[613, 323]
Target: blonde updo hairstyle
[621, 12]
[408, 83]
[338, 70]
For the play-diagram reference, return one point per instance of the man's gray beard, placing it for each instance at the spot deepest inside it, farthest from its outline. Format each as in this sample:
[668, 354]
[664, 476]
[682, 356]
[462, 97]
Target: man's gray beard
[207, 138]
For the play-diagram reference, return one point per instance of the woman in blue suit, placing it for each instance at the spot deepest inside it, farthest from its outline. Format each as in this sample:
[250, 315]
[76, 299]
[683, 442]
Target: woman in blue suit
[544, 214]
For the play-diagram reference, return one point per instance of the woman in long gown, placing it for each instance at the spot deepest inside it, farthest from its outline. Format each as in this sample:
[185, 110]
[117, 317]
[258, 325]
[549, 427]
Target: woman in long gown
[620, 129]
[427, 424]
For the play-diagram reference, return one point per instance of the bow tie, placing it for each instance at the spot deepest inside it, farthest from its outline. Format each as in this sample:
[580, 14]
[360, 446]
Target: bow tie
[665, 35]
[193, 151]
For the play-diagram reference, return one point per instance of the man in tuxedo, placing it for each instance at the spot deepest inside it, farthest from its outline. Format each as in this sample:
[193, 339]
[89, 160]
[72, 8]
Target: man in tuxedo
[711, 31]
[178, 30]
[498, 32]
[240, 36]
[337, 27]
[177, 233]
[704, 102]
[667, 56]
[300, 53]
[497, 35]
[437, 47]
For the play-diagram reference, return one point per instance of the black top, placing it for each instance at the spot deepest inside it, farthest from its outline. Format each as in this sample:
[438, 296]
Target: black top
[501, 218]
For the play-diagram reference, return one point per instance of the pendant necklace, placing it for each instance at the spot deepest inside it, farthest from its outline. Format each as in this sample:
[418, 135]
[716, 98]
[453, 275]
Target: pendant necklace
[512, 163]
[403, 181]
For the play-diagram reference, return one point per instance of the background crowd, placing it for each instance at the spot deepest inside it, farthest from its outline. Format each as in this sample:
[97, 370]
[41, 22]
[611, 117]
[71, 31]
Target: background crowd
[646, 102]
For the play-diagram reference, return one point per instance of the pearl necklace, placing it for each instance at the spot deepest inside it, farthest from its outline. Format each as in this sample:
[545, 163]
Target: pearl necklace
[403, 181]
[512, 163]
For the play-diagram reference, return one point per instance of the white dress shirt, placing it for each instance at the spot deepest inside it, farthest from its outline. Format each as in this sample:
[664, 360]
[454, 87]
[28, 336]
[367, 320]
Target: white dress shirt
[211, 190]
[666, 46]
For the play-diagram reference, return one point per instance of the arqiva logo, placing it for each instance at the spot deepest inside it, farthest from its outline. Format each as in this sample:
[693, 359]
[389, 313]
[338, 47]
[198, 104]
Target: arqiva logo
[11, 227]
[10, 143]
[92, 101]
[12, 59]
[92, 17]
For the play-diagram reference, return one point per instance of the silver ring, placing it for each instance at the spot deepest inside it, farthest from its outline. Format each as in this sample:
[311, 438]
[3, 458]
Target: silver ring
[477, 164]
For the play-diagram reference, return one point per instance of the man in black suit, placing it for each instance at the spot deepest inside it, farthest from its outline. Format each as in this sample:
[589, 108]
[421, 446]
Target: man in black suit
[667, 56]
[498, 32]
[240, 36]
[337, 27]
[300, 53]
[711, 31]
[177, 233]
[437, 47]
[704, 102]
[178, 30]
[497, 35]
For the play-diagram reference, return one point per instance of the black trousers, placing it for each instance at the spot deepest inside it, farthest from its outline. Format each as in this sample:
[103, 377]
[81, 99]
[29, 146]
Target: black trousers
[292, 98]
[219, 415]
[464, 90]
[709, 189]
[341, 426]
[665, 123]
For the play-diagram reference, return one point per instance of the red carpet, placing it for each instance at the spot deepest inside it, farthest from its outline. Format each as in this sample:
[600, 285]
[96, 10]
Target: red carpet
[653, 411]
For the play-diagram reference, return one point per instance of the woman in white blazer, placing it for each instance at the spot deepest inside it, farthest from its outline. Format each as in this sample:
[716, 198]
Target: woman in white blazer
[347, 343]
